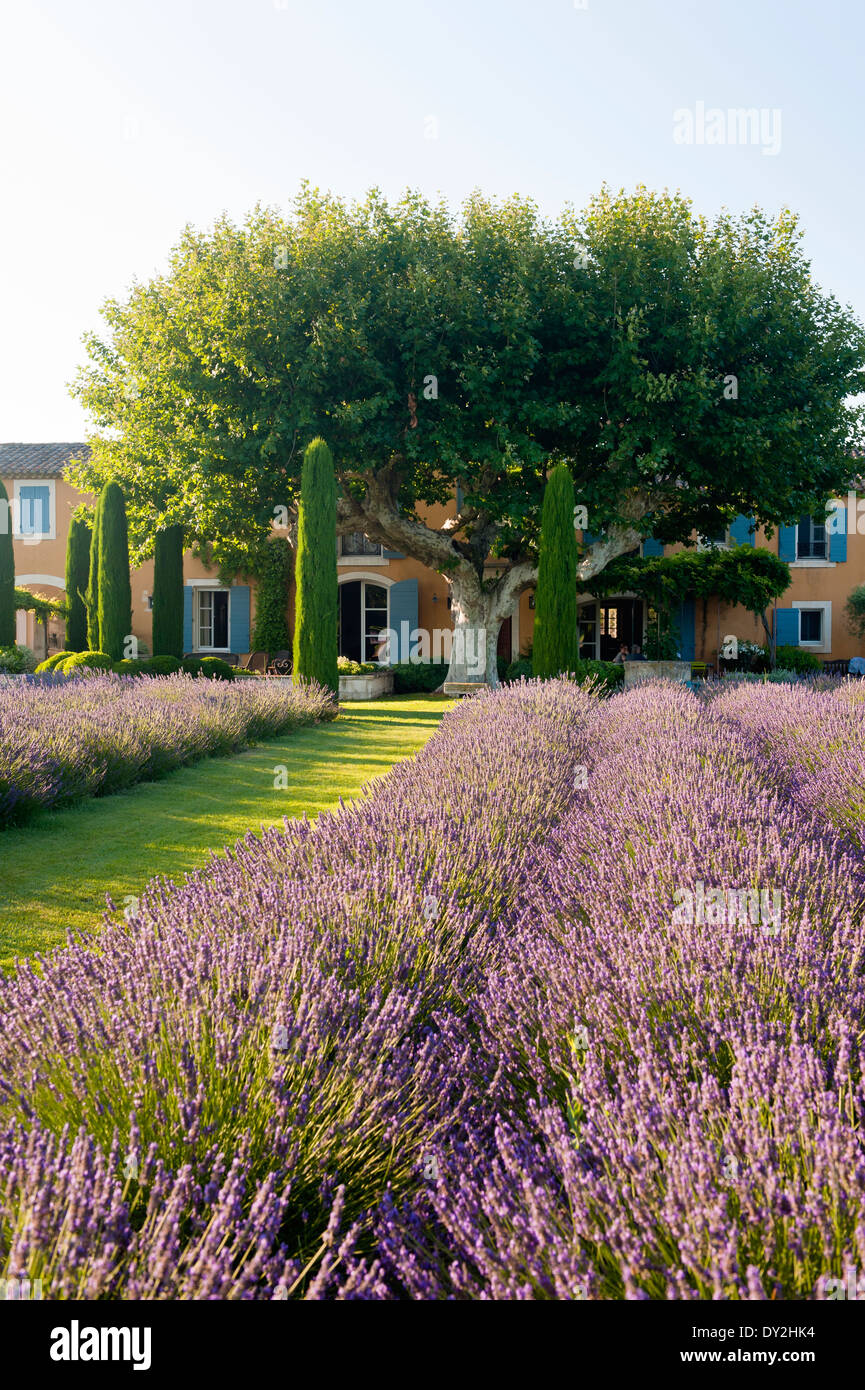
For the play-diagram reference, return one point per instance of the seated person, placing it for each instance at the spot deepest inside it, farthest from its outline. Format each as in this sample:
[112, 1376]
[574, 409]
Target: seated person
[622, 655]
[636, 654]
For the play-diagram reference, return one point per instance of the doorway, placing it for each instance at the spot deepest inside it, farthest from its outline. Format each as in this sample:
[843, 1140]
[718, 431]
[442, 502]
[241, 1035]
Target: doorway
[621, 620]
[363, 611]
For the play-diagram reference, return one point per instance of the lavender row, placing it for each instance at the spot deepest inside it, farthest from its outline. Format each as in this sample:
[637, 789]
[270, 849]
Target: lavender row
[100, 733]
[673, 1037]
[296, 1018]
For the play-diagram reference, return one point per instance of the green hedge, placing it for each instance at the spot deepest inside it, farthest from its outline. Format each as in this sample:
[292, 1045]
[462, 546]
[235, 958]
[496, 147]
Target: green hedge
[606, 673]
[52, 661]
[216, 669]
[410, 677]
[85, 661]
[16, 661]
[128, 666]
[161, 666]
[794, 659]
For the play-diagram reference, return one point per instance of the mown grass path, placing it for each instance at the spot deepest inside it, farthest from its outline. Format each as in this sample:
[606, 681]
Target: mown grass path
[56, 870]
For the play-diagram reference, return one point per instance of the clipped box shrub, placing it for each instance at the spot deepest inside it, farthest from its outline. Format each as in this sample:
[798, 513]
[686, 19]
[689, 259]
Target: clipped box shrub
[410, 677]
[216, 669]
[161, 666]
[85, 661]
[128, 666]
[346, 667]
[52, 661]
[191, 665]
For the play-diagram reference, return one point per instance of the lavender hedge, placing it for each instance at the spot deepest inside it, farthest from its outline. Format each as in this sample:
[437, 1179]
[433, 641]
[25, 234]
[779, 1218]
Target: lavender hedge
[97, 734]
[568, 1006]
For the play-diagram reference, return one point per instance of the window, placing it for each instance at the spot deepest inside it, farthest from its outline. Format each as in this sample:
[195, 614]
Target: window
[811, 625]
[587, 626]
[374, 617]
[33, 511]
[815, 625]
[811, 540]
[356, 543]
[609, 621]
[212, 619]
[707, 542]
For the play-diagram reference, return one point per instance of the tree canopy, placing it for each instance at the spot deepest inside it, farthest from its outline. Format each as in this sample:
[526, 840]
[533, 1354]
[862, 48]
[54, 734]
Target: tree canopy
[685, 370]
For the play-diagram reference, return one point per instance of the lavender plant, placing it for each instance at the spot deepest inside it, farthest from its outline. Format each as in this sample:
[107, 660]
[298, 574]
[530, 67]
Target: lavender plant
[568, 1006]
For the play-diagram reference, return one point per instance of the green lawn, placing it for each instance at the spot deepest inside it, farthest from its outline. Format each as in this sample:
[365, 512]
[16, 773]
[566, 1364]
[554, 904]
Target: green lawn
[56, 870]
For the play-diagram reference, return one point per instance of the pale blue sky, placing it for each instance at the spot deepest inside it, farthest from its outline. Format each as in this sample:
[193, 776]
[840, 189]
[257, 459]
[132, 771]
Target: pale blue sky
[123, 121]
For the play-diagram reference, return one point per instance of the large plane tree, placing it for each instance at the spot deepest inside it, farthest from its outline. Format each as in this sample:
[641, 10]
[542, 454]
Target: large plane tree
[686, 370]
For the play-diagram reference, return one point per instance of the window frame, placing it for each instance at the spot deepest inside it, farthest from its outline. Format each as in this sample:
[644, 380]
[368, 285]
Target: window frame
[28, 537]
[197, 591]
[824, 606]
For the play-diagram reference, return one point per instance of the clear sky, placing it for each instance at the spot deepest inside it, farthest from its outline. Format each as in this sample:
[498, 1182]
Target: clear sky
[123, 121]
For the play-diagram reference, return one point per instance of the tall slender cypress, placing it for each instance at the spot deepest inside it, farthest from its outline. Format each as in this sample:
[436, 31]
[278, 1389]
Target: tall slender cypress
[7, 573]
[168, 592]
[115, 588]
[91, 598]
[555, 646]
[77, 576]
[317, 593]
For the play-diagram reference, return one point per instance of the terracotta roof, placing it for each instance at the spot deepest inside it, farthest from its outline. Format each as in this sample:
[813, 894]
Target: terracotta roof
[38, 460]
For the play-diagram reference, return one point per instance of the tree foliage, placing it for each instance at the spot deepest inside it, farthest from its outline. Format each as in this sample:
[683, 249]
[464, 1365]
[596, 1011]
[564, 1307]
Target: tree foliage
[316, 585]
[77, 577]
[555, 643]
[168, 592]
[685, 370]
[743, 576]
[854, 610]
[115, 592]
[273, 571]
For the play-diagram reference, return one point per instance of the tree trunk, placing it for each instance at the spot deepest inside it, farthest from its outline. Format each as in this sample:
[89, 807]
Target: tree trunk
[476, 632]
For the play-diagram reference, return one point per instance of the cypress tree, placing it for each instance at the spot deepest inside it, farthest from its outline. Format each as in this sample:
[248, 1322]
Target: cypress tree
[7, 573]
[115, 588]
[555, 646]
[317, 593]
[77, 577]
[91, 598]
[168, 592]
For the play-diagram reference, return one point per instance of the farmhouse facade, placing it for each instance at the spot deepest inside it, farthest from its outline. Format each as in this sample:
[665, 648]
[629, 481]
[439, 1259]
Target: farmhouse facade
[380, 588]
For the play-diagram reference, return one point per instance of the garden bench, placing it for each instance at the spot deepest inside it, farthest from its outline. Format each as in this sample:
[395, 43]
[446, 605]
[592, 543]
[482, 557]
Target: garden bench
[464, 687]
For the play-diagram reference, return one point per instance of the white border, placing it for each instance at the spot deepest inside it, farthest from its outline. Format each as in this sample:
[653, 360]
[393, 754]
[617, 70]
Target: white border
[826, 606]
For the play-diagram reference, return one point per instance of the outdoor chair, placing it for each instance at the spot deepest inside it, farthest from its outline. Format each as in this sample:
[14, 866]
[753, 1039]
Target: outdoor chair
[280, 664]
[256, 661]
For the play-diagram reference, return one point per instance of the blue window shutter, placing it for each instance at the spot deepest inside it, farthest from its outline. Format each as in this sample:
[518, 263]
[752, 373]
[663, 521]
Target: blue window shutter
[787, 544]
[403, 609]
[651, 547]
[459, 499]
[187, 617]
[392, 554]
[787, 627]
[238, 618]
[837, 538]
[686, 622]
[34, 502]
[742, 531]
[589, 538]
